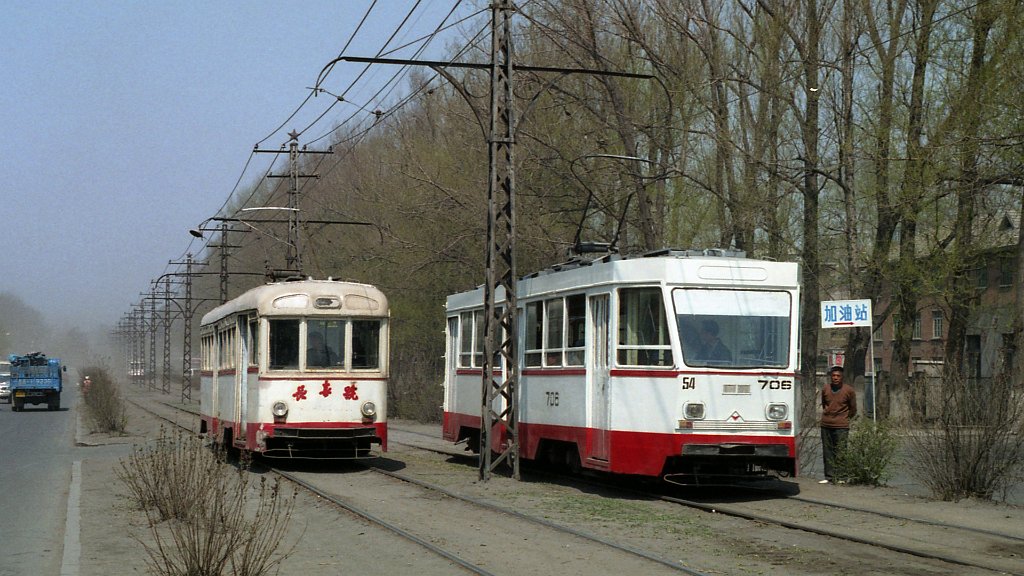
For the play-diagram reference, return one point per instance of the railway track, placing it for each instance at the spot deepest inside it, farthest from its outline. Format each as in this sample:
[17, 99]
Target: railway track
[960, 544]
[468, 544]
[960, 548]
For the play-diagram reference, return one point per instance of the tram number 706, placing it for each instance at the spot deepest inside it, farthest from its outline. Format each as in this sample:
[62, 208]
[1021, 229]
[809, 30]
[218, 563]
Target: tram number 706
[552, 398]
[776, 384]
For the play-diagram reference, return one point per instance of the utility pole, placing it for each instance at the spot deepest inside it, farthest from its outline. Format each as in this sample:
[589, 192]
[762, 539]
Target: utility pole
[293, 257]
[186, 314]
[186, 360]
[165, 381]
[500, 321]
[151, 368]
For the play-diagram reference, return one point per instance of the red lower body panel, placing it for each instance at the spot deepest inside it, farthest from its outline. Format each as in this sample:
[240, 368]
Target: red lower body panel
[639, 453]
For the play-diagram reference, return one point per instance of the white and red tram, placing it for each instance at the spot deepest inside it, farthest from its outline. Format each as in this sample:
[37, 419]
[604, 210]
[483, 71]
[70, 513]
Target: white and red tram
[680, 364]
[297, 369]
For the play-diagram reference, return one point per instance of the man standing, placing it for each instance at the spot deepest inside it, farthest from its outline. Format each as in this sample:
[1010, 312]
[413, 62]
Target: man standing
[838, 407]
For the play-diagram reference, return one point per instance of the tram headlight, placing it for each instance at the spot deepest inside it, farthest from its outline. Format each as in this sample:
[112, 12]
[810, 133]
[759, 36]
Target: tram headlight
[369, 410]
[778, 411]
[280, 409]
[694, 411]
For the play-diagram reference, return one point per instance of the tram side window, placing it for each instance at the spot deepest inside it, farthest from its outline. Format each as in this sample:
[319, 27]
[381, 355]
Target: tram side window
[478, 338]
[284, 344]
[207, 352]
[534, 334]
[223, 354]
[643, 330]
[466, 340]
[553, 342]
[556, 332]
[365, 344]
[254, 341]
[576, 336]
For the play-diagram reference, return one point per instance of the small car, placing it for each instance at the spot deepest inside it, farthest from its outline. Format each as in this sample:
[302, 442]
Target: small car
[5, 392]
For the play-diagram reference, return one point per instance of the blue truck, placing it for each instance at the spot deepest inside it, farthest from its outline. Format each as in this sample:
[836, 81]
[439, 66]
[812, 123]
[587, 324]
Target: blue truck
[36, 379]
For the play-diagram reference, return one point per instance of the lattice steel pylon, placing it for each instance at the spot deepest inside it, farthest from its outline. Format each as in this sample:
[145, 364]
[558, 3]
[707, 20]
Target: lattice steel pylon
[186, 356]
[165, 381]
[500, 403]
[151, 366]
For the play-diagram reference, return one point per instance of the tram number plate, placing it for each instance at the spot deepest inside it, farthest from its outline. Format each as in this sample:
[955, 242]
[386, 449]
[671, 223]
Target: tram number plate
[689, 382]
[552, 398]
[776, 384]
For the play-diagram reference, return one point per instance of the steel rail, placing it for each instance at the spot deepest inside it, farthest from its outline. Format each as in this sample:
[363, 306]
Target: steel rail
[469, 566]
[737, 513]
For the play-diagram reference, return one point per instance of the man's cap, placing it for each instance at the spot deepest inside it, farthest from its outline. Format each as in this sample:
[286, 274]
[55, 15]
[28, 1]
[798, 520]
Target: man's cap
[835, 369]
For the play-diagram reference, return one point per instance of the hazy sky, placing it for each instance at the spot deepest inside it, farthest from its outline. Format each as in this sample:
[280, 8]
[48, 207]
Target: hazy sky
[126, 123]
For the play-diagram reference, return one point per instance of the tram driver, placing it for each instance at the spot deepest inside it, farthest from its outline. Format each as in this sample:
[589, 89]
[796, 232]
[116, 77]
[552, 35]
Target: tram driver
[318, 353]
[712, 350]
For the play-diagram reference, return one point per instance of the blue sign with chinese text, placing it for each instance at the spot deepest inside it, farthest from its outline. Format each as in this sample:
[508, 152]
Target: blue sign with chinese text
[845, 313]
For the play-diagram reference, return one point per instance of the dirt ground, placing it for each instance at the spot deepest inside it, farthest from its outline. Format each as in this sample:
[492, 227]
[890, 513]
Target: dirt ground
[328, 540]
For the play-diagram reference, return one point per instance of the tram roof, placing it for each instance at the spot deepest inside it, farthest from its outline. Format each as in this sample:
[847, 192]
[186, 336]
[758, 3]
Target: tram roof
[712, 268]
[306, 297]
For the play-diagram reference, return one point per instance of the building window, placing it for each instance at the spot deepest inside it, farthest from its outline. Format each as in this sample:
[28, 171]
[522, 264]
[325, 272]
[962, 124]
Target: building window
[1009, 348]
[937, 317]
[1006, 271]
[917, 327]
[981, 278]
[972, 356]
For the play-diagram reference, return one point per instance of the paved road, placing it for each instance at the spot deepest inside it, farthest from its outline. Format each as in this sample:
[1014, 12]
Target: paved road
[39, 469]
[37, 451]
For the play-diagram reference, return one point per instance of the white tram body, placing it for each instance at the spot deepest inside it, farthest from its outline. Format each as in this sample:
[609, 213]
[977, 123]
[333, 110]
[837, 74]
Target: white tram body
[297, 369]
[614, 374]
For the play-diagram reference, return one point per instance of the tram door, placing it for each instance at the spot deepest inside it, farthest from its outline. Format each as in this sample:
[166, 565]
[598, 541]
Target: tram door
[241, 373]
[597, 375]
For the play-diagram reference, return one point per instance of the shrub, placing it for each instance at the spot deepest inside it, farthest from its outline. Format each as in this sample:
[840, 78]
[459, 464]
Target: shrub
[870, 449]
[172, 477]
[975, 448]
[104, 405]
[206, 518]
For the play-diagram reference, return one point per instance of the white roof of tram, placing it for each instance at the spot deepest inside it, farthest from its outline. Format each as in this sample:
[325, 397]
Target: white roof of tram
[705, 268]
[306, 298]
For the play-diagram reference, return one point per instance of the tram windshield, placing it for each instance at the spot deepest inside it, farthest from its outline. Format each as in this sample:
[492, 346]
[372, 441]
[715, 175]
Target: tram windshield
[733, 328]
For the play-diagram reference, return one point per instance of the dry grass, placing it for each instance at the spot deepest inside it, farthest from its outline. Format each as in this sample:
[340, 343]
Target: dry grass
[206, 517]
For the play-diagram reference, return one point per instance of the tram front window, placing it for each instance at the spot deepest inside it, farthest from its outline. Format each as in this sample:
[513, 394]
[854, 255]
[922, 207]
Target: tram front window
[325, 343]
[366, 344]
[284, 344]
[733, 328]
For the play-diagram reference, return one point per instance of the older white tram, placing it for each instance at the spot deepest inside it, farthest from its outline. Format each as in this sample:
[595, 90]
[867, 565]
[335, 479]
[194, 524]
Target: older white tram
[297, 369]
[680, 364]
